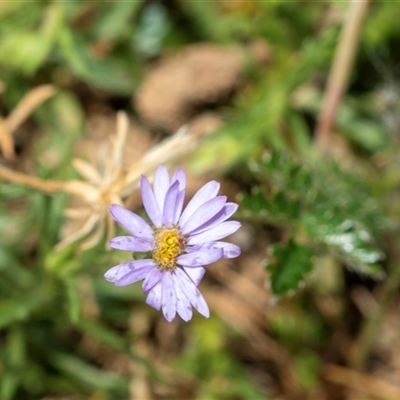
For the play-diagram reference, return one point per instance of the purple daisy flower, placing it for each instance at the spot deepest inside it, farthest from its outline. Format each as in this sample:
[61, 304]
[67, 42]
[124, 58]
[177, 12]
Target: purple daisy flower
[180, 243]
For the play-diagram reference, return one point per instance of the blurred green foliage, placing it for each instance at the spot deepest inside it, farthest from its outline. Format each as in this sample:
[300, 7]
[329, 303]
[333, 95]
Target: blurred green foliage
[324, 208]
[345, 209]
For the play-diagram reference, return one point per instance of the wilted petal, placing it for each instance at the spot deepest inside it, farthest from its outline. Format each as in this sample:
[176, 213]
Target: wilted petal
[183, 306]
[149, 202]
[199, 258]
[229, 250]
[192, 293]
[154, 296]
[195, 274]
[221, 216]
[169, 205]
[168, 297]
[134, 224]
[203, 214]
[130, 243]
[152, 279]
[215, 233]
[206, 192]
[161, 185]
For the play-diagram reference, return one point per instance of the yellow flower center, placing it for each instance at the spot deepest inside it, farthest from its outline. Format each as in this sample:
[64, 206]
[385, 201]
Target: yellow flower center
[168, 245]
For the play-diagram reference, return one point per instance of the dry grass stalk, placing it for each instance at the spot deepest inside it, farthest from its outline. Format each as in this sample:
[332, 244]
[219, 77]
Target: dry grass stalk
[363, 383]
[111, 184]
[340, 73]
[24, 108]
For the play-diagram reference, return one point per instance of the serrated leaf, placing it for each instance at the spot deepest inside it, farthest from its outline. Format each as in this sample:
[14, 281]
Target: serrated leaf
[355, 243]
[289, 264]
[329, 206]
[256, 203]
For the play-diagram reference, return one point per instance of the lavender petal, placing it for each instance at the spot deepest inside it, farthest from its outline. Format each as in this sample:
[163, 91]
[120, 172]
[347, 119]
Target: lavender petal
[117, 272]
[169, 204]
[192, 293]
[180, 176]
[135, 275]
[203, 214]
[221, 216]
[161, 185]
[180, 198]
[149, 202]
[134, 224]
[195, 274]
[130, 243]
[217, 232]
[154, 296]
[168, 297]
[183, 306]
[151, 280]
[199, 258]
[206, 192]
[229, 250]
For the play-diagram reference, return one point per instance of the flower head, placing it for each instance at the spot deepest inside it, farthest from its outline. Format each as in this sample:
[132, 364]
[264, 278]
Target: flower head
[180, 243]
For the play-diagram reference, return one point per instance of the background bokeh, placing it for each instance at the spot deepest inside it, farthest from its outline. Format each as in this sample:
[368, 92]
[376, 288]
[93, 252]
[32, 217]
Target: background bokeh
[294, 106]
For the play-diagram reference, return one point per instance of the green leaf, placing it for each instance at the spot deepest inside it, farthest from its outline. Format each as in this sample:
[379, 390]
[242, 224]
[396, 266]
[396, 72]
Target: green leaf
[23, 50]
[306, 368]
[103, 334]
[26, 50]
[151, 30]
[355, 244]
[116, 21]
[20, 309]
[14, 16]
[288, 264]
[105, 74]
[368, 134]
[12, 268]
[74, 301]
[9, 385]
[14, 362]
[255, 204]
[63, 262]
[85, 373]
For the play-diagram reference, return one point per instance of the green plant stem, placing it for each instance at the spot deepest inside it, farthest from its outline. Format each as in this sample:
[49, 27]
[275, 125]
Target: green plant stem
[340, 73]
